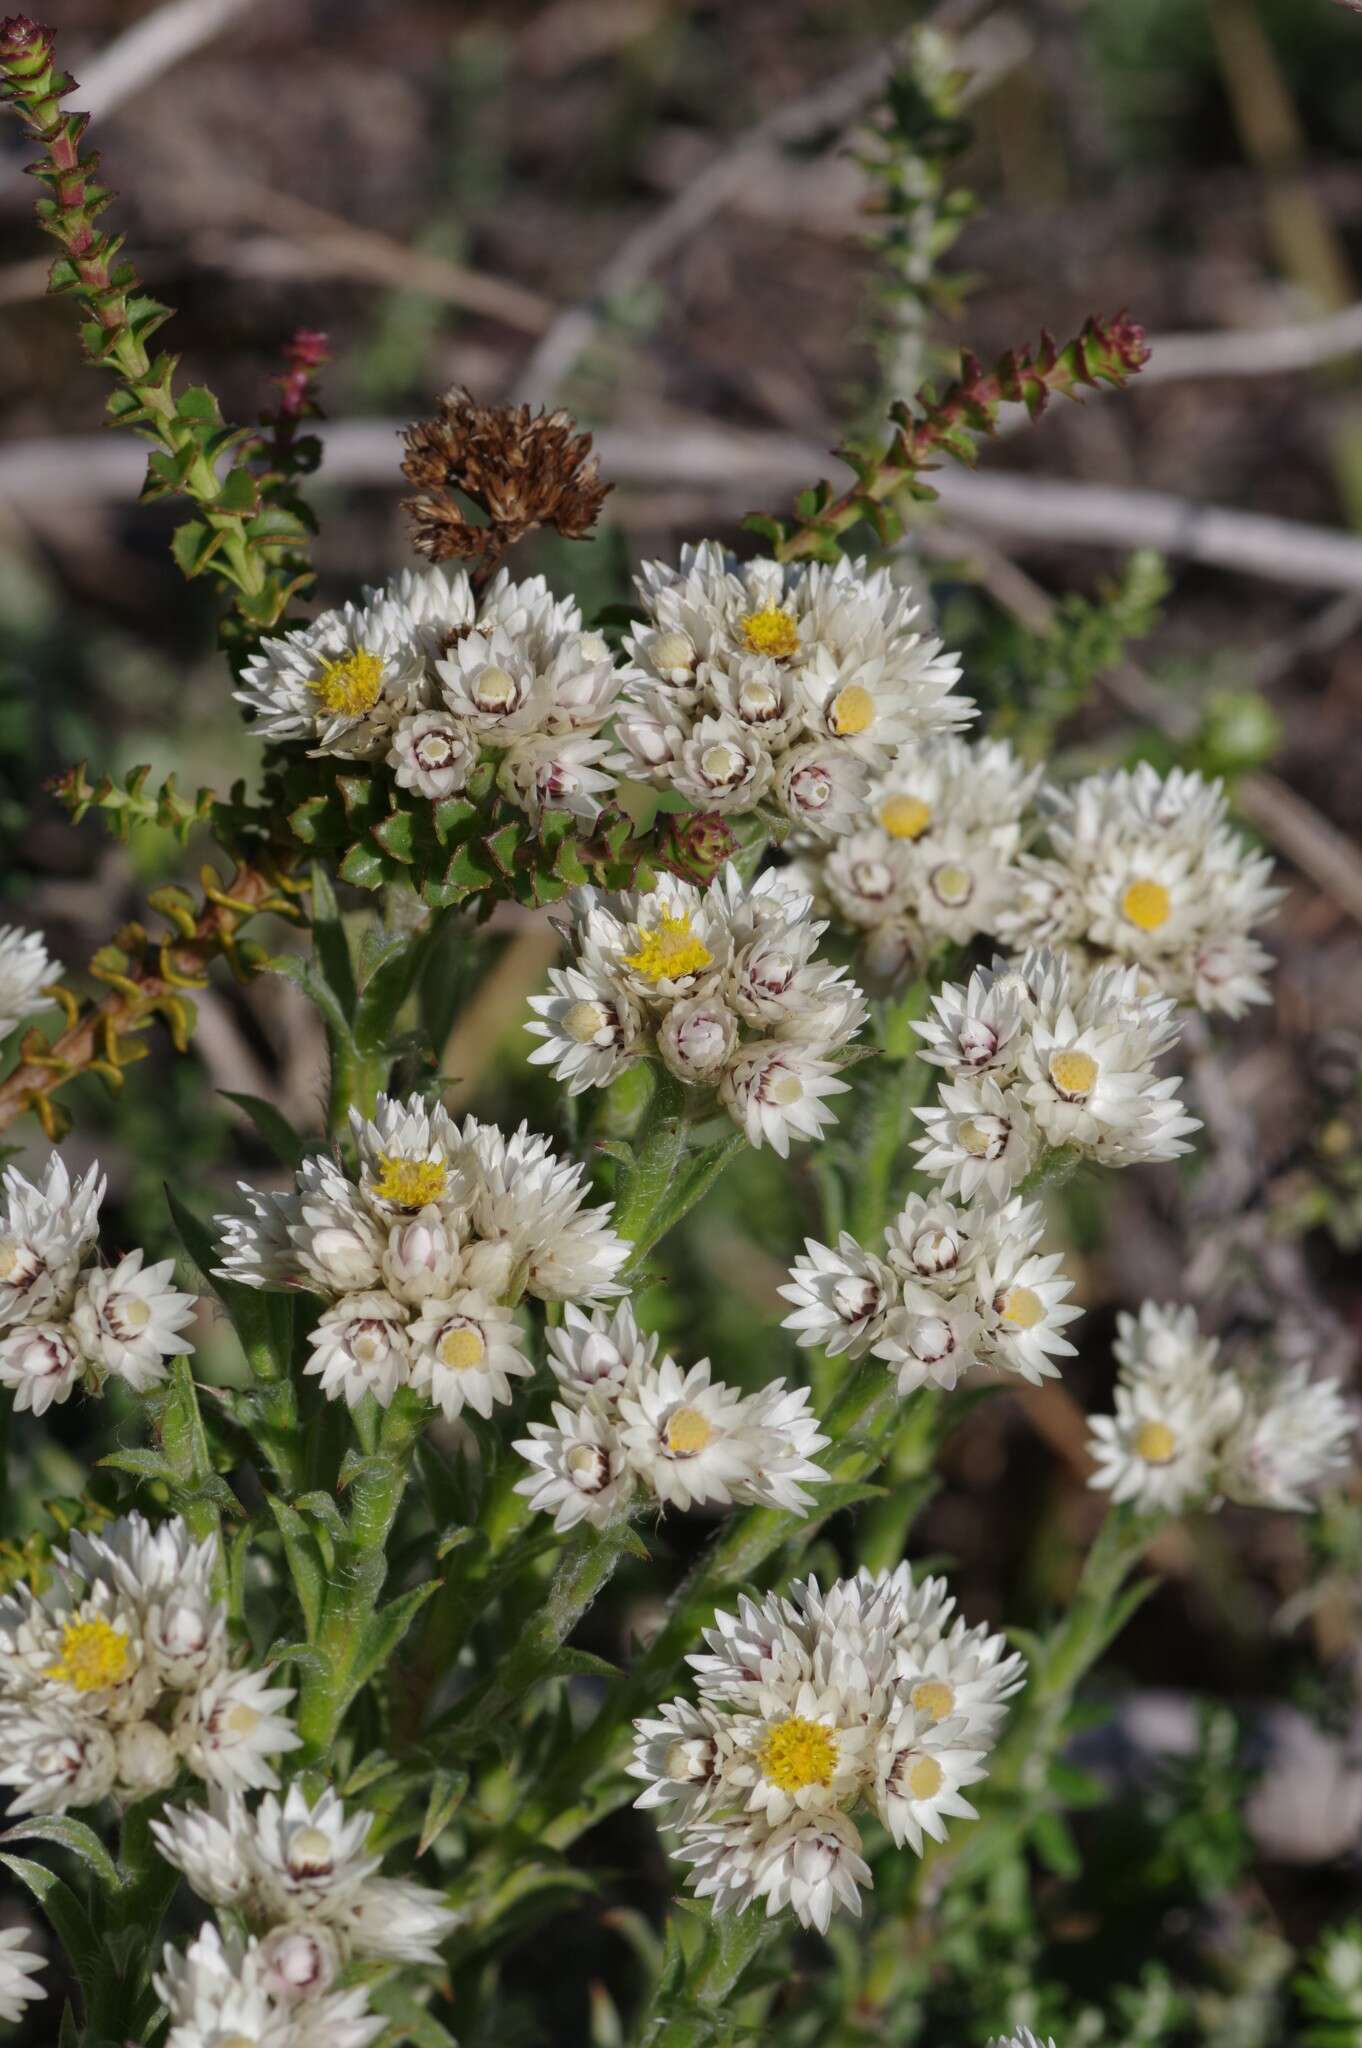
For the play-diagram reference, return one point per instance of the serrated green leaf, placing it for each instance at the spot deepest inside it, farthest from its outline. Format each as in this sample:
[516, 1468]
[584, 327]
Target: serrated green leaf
[363, 867]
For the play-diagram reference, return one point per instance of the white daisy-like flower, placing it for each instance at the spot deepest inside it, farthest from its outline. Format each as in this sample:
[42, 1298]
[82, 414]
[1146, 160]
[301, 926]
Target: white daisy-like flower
[464, 1352]
[224, 1989]
[596, 1357]
[1295, 1433]
[410, 1159]
[1023, 2038]
[841, 1298]
[776, 1092]
[590, 1028]
[53, 1758]
[359, 1347]
[42, 1364]
[19, 1967]
[561, 771]
[211, 1846]
[680, 1757]
[25, 968]
[981, 1139]
[1022, 1293]
[307, 1857]
[921, 1765]
[934, 1243]
[396, 1919]
[821, 787]
[581, 1470]
[46, 1232]
[928, 1341]
[299, 1962]
[432, 754]
[868, 880]
[532, 1203]
[963, 1678]
[341, 683]
[1160, 1449]
[128, 1319]
[813, 1864]
[693, 1440]
[230, 1730]
[980, 1028]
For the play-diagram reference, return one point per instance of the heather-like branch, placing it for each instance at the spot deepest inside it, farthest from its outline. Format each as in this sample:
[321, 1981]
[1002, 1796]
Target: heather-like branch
[1106, 352]
[251, 532]
[147, 976]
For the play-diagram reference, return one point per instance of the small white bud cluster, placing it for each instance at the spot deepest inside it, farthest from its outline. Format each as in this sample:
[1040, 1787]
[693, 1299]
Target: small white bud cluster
[628, 1421]
[721, 984]
[117, 1674]
[66, 1320]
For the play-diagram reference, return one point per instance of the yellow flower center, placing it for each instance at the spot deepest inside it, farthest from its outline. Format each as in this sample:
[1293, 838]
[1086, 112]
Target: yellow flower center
[905, 817]
[1146, 905]
[671, 949]
[771, 631]
[350, 687]
[1155, 1443]
[237, 2041]
[1023, 1308]
[785, 1091]
[953, 884]
[409, 1183]
[583, 1021]
[798, 1753]
[1073, 1073]
[462, 1348]
[925, 1778]
[975, 1141]
[688, 1432]
[241, 1719]
[135, 1313]
[94, 1654]
[853, 711]
[933, 1696]
[495, 688]
[11, 1259]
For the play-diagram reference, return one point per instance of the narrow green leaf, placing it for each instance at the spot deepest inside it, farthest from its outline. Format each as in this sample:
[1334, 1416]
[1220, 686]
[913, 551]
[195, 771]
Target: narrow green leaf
[447, 1789]
[65, 1911]
[276, 1130]
[383, 1631]
[71, 1834]
[332, 941]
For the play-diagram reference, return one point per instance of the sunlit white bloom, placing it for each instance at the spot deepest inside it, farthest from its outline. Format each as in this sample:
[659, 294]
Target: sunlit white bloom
[397, 1919]
[54, 1757]
[128, 1319]
[581, 1470]
[921, 1764]
[841, 1298]
[19, 1967]
[572, 771]
[600, 1354]
[752, 677]
[693, 1440]
[230, 1729]
[423, 1257]
[1294, 1433]
[778, 1091]
[25, 968]
[1160, 1449]
[981, 1139]
[223, 1990]
[432, 754]
[929, 1342]
[1021, 1293]
[977, 1029]
[868, 880]
[532, 1202]
[360, 1347]
[211, 1846]
[810, 1706]
[42, 1364]
[46, 1230]
[1145, 868]
[341, 683]
[465, 1351]
[590, 1028]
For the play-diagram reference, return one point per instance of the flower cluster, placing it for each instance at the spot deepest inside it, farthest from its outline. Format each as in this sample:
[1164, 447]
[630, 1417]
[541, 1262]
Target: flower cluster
[956, 1286]
[63, 1318]
[721, 984]
[627, 1420]
[435, 680]
[1035, 1064]
[19, 1969]
[25, 970]
[757, 683]
[227, 1988]
[421, 1254]
[299, 1872]
[931, 854]
[1145, 870]
[118, 1673]
[1190, 1429]
[809, 1706]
